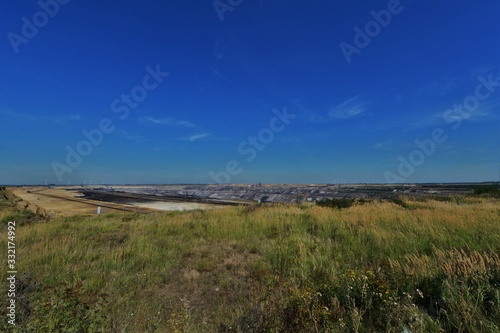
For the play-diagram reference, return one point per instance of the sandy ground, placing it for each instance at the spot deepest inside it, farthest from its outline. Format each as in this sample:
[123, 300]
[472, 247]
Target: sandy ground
[58, 201]
[67, 201]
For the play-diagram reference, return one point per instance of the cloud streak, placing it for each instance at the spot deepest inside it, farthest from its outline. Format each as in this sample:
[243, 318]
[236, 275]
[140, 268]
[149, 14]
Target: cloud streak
[169, 121]
[195, 137]
[70, 117]
[350, 108]
[136, 137]
[33, 117]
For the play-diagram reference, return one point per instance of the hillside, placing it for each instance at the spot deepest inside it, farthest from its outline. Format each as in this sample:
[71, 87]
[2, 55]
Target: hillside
[420, 265]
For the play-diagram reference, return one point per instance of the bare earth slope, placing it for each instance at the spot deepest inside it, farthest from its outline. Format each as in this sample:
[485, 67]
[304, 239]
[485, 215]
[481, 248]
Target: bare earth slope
[64, 201]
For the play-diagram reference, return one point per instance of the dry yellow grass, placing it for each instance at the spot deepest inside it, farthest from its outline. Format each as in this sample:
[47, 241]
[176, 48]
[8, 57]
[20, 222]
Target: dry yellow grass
[452, 263]
[203, 271]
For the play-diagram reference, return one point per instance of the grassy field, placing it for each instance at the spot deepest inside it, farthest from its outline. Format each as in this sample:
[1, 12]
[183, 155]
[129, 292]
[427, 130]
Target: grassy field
[404, 266]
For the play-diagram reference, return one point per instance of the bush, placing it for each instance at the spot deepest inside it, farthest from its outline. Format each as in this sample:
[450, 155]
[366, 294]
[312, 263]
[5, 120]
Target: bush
[400, 202]
[21, 217]
[488, 190]
[336, 203]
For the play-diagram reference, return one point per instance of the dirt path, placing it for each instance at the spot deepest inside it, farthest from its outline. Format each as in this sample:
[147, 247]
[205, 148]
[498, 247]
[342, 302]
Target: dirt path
[66, 202]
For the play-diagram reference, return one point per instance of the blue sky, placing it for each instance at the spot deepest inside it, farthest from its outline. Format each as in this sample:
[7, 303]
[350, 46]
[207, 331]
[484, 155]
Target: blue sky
[275, 71]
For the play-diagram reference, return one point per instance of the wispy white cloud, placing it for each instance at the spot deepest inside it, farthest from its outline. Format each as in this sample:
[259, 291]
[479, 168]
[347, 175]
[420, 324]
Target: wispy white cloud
[439, 87]
[446, 85]
[195, 137]
[137, 137]
[309, 114]
[350, 108]
[484, 70]
[315, 117]
[290, 139]
[394, 145]
[20, 115]
[388, 145]
[487, 111]
[65, 118]
[432, 120]
[219, 57]
[218, 54]
[34, 117]
[225, 78]
[169, 121]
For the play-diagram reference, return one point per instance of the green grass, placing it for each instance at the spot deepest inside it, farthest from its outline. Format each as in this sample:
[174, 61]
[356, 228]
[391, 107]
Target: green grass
[300, 268]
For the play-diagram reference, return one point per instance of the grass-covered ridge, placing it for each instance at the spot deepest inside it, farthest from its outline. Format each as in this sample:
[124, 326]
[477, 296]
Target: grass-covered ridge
[382, 266]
